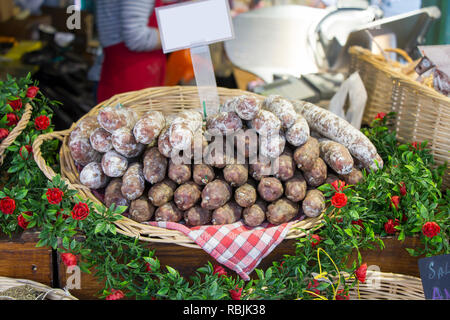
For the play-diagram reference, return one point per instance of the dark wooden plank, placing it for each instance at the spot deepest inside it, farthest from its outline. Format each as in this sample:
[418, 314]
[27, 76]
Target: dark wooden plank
[394, 258]
[21, 259]
[185, 260]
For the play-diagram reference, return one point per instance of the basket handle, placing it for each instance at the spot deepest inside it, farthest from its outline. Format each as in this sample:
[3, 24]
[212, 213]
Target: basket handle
[42, 164]
[21, 125]
[401, 52]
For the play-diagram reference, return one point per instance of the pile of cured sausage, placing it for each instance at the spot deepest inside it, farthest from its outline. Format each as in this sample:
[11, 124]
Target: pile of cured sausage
[253, 160]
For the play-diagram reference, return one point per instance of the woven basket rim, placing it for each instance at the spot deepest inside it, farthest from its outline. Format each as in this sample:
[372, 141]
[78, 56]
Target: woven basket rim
[392, 286]
[126, 226]
[21, 125]
[369, 57]
[48, 292]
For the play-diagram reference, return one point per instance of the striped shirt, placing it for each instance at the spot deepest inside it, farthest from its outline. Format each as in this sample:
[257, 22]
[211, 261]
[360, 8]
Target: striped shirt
[126, 21]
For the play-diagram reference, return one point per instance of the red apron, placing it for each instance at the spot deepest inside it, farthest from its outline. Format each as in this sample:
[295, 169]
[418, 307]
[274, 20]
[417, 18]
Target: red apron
[124, 70]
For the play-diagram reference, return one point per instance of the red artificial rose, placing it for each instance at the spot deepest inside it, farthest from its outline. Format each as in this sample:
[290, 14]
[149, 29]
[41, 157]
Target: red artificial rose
[21, 221]
[342, 295]
[389, 226]
[404, 217]
[338, 185]
[54, 195]
[380, 116]
[16, 105]
[236, 293]
[315, 240]
[32, 92]
[7, 205]
[42, 122]
[29, 151]
[148, 267]
[339, 200]
[3, 133]
[313, 285]
[358, 223]
[64, 216]
[80, 211]
[415, 146]
[115, 295]
[69, 259]
[219, 270]
[395, 200]
[431, 229]
[361, 273]
[402, 189]
[12, 119]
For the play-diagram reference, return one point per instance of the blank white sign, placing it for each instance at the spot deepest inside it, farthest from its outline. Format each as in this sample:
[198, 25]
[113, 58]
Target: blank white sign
[194, 23]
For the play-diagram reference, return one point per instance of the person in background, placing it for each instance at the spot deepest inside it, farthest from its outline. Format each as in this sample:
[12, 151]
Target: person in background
[132, 55]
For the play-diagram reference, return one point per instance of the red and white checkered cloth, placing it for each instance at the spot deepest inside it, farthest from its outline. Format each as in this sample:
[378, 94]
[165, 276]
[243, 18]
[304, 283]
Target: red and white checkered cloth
[237, 246]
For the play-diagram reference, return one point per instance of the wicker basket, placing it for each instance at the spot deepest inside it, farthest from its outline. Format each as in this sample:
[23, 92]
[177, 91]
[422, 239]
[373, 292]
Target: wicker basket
[422, 112]
[47, 293]
[21, 125]
[167, 100]
[388, 286]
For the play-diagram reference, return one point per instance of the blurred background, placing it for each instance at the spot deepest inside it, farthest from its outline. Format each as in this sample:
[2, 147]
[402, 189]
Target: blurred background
[297, 48]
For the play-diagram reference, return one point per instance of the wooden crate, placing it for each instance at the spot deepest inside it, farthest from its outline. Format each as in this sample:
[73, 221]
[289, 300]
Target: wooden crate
[394, 258]
[19, 258]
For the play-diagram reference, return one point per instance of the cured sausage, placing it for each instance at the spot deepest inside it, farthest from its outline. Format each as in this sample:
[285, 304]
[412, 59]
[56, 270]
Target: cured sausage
[133, 182]
[148, 128]
[336, 156]
[337, 129]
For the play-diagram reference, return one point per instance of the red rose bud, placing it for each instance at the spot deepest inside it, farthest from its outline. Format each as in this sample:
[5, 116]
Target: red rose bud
[313, 285]
[16, 105]
[54, 195]
[236, 293]
[64, 216]
[402, 189]
[339, 220]
[148, 267]
[115, 295]
[7, 205]
[315, 240]
[219, 270]
[69, 259]
[415, 146]
[41, 122]
[380, 116]
[80, 211]
[338, 185]
[361, 273]
[358, 223]
[32, 92]
[29, 151]
[431, 229]
[389, 226]
[3, 133]
[339, 200]
[12, 119]
[395, 200]
[21, 221]
[342, 295]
